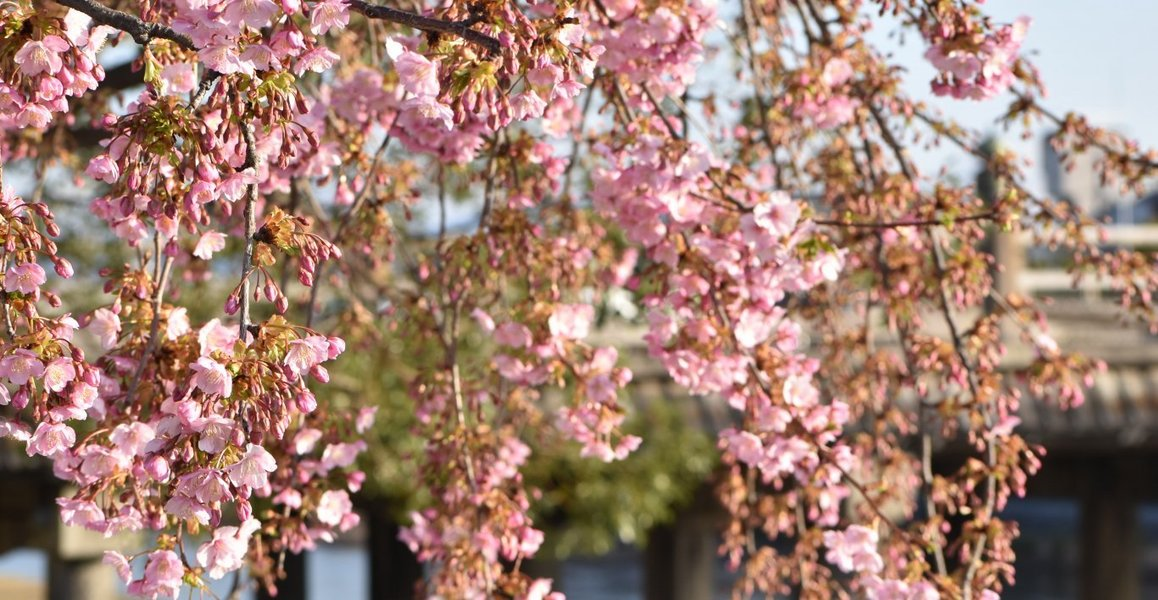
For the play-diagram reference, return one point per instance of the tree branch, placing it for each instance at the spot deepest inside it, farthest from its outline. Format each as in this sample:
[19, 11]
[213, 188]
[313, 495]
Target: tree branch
[982, 216]
[250, 227]
[460, 28]
[142, 31]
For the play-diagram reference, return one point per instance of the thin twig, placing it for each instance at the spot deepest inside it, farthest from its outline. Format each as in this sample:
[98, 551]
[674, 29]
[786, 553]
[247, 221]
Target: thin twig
[154, 329]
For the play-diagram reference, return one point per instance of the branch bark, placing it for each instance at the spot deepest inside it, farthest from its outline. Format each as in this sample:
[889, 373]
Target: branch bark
[430, 25]
[142, 31]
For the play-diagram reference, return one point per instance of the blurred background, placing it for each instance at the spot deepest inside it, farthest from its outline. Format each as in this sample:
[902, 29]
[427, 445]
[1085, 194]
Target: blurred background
[644, 528]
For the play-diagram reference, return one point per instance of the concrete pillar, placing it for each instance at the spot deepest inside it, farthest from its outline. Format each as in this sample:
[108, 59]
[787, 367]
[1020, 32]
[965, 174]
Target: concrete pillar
[1110, 545]
[81, 579]
[1009, 253]
[75, 570]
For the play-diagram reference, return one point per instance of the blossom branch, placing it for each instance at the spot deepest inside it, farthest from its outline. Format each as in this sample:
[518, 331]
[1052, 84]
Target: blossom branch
[986, 414]
[142, 31]
[154, 328]
[430, 25]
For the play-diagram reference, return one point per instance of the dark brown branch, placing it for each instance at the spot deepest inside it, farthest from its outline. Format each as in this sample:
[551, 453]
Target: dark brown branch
[142, 31]
[459, 28]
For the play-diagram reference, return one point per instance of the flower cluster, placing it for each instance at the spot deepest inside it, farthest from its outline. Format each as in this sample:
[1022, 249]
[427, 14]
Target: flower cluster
[55, 61]
[977, 65]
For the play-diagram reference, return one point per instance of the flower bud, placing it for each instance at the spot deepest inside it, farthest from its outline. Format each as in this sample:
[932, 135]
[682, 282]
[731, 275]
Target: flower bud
[232, 304]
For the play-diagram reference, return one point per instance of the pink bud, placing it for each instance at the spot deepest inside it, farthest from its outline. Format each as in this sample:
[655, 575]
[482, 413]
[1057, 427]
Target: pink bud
[244, 509]
[20, 400]
[157, 468]
[232, 304]
[320, 373]
[281, 305]
[63, 268]
[354, 480]
[306, 401]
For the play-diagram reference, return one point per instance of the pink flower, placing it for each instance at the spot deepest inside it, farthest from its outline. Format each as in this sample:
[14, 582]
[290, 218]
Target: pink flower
[541, 590]
[340, 456]
[255, 13]
[20, 366]
[253, 469]
[428, 108]
[224, 58]
[177, 324]
[103, 168]
[25, 278]
[211, 377]
[836, 72]
[214, 336]
[854, 549]
[226, 551]
[216, 432]
[317, 60]
[527, 105]
[14, 430]
[107, 327]
[189, 509]
[59, 373]
[571, 321]
[120, 564]
[329, 15]
[515, 335]
[131, 438]
[365, 419]
[485, 322]
[204, 485]
[50, 439]
[305, 354]
[41, 56]
[178, 78]
[417, 74]
[778, 215]
[163, 575]
[306, 440]
[210, 243]
[333, 506]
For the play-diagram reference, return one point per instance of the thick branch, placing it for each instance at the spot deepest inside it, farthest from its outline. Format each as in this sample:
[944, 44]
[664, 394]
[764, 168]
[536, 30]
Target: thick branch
[460, 28]
[142, 31]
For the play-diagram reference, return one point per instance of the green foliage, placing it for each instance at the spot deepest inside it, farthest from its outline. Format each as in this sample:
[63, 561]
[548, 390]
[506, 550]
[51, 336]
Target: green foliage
[588, 506]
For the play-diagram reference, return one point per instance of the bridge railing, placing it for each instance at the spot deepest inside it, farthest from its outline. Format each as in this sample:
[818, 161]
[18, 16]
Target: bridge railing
[1053, 280]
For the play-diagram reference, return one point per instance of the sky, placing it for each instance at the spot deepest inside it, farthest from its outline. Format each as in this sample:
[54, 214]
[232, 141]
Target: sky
[1098, 58]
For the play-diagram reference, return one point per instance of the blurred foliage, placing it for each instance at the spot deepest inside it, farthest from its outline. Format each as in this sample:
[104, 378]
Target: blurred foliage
[589, 507]
[586, 506]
